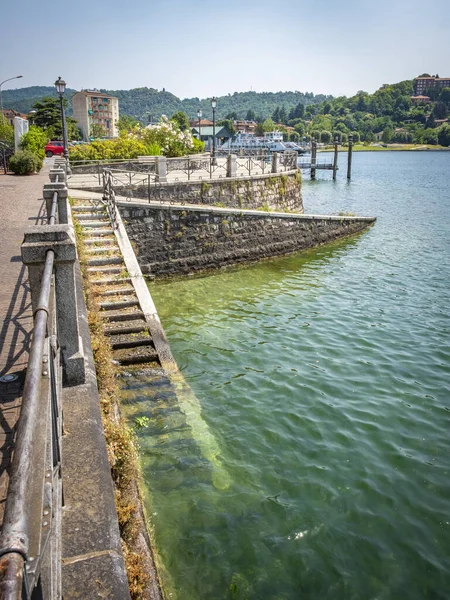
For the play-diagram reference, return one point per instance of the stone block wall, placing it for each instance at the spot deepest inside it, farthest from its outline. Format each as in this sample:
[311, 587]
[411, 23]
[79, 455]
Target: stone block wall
[281, 191]
[173, 241]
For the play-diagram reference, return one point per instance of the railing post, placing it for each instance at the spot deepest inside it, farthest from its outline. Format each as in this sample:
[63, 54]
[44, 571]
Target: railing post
[275, 162]
[61, 239]
[61, 188]
[59, 174]
[161, 169]
[231, 165]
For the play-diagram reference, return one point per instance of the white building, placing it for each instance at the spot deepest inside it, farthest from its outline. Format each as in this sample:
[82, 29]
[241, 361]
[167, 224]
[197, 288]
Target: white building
[95, 108]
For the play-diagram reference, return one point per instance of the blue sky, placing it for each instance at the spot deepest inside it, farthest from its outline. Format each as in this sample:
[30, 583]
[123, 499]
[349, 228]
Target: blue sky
[205, 47]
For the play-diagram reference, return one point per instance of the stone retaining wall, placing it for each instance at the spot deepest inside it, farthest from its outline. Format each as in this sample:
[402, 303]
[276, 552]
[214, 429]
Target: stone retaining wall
[281, 191]
[180, 240]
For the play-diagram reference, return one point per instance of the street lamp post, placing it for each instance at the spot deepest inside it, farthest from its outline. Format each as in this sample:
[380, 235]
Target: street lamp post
[1, 99]
[199, 115]
[213, 105]
[60, 85]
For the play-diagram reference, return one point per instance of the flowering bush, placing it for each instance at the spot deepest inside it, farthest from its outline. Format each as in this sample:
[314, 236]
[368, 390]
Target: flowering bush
[164, 138]
[167, 135]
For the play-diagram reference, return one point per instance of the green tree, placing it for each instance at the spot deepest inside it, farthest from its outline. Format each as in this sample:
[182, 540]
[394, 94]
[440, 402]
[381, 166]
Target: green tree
[34, 141]
[181, 118]
[387, 135]
[6, 132]
[276, 115]
[251, 115]
[444, 135]
[48, 117]
[326, 137]
[444, 96]
[430, 136]
[283, 115]
[98, 131]
[228, 123]
[127, 124]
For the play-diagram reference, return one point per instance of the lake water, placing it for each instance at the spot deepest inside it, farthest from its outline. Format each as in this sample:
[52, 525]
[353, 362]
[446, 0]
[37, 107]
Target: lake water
[323, 381]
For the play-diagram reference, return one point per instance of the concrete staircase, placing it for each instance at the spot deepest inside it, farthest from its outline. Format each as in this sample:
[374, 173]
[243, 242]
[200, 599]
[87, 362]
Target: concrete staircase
[124, 321]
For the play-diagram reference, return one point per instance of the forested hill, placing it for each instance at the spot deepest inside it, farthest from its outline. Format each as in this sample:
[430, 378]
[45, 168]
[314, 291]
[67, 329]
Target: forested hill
[145, 103]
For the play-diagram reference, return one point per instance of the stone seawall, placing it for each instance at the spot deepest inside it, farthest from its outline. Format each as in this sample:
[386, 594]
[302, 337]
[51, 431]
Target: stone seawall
[172, 240]
[280, 191]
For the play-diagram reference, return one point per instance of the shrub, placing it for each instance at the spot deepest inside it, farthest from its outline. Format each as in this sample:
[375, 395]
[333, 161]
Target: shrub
[34, 141]
[125, 148]
[25, 163]
[198, 146]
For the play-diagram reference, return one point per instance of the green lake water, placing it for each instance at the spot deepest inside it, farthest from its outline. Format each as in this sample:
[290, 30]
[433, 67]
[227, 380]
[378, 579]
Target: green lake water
[315, 462]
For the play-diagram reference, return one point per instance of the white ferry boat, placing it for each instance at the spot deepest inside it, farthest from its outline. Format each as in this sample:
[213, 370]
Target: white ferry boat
[272, 142]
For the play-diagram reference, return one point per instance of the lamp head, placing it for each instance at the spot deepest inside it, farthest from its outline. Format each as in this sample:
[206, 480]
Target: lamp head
[214, 103]
[60, 85]
[199, 114]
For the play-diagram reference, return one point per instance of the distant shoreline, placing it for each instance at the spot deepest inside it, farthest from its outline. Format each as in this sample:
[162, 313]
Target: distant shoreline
[392, 148]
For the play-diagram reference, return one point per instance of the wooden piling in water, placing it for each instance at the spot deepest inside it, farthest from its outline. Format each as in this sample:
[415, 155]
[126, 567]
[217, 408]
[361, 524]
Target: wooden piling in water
[335, 160]
[349, 163]
[313, 158]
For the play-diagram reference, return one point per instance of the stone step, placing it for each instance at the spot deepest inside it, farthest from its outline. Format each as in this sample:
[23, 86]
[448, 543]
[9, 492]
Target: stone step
[120, 341]
[99, 262]
[126, 315]
[118, 304]
[99, 232]
[111, 281]
[95, 224]
[98, 250]
[136, 356]
[105, 271]
[117, 291]
[125, 327]
[104, 241]
[97, 216]
[88, 208]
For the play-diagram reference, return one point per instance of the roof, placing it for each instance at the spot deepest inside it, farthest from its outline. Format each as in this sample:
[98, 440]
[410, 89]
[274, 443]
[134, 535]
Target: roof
[221, 131]
[419, 97]
[95, 93]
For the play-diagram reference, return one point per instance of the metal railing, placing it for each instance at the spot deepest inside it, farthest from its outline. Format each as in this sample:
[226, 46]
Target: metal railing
[30, 548]
[6, 151]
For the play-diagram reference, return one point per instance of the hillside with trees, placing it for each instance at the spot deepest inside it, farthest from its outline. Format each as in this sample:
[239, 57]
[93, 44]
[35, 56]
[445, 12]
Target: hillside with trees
[148, 103]
[388, 115]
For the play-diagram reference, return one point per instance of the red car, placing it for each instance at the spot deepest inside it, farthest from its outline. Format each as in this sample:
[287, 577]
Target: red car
[54, 148]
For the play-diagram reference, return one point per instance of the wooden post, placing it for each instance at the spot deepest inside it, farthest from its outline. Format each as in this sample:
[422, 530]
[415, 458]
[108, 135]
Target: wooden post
[349, 164]
[313, 158]
[335, 161]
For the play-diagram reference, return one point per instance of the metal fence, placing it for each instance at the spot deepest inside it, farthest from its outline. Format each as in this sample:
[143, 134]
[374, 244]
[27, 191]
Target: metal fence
[6, 151]
[30, 547]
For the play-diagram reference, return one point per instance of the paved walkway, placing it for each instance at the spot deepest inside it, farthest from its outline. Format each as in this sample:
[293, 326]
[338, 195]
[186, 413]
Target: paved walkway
[21, 205]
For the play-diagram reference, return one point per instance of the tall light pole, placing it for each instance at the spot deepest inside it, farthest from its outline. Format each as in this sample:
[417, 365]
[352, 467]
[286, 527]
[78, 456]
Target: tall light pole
[199, 115]
[213, 105]
[1, 99]
[60, 85]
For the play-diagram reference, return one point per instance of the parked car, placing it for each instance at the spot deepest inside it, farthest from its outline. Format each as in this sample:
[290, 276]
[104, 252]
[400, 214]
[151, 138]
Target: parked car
[54, 148]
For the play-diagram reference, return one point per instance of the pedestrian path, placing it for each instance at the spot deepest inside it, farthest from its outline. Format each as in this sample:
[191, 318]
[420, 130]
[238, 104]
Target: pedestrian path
[21, 205]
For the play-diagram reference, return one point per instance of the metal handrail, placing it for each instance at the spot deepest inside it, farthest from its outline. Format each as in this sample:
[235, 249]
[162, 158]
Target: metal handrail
[16, 527]
[33, 502]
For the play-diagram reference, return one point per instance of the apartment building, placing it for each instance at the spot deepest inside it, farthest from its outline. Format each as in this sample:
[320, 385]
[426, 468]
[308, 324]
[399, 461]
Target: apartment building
[421, 84]
[95, 108]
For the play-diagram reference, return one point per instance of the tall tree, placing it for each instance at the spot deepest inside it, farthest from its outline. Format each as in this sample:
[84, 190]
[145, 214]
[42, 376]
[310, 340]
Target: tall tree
[251, 115]
[181, 118]
[48, 117]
